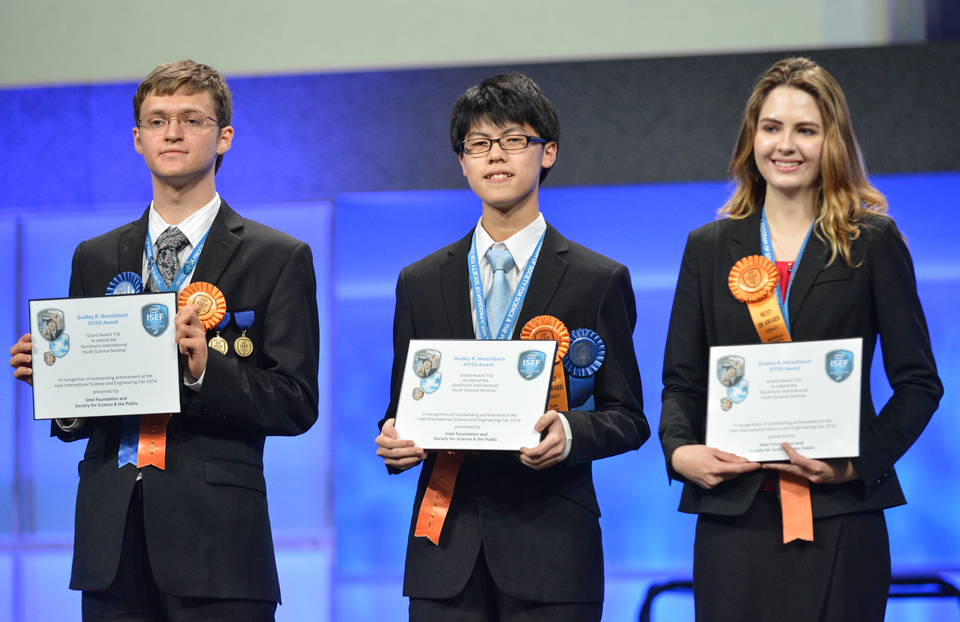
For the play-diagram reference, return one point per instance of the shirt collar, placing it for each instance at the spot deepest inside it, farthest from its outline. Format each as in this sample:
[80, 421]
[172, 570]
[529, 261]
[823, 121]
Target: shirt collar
[521, 244]
[194, 226]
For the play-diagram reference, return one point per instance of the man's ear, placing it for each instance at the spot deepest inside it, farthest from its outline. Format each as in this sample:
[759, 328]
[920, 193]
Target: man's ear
[136, 140]
[549, 155]
[226, 139]
[463, 167]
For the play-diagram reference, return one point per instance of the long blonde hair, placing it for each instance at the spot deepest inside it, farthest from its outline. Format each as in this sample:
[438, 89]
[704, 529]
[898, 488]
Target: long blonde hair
[844, 195]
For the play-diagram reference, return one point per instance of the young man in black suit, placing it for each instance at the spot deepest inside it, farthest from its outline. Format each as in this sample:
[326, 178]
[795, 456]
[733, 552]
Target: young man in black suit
[521, 540]
[192, 541]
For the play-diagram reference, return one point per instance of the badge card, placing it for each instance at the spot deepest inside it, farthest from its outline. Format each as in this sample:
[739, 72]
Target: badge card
[112, 355]
[804, 393]
[474, 394]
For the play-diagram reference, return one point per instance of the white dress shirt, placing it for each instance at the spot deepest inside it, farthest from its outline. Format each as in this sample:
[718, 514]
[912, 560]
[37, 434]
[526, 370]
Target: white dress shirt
[521, 246]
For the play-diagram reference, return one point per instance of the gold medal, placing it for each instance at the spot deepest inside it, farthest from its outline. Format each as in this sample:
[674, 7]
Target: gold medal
[243, 346]
[219, 344]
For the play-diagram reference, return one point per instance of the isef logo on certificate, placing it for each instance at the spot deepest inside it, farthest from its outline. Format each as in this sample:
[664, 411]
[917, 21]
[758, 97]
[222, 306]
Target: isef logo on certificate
[839, 364]
[531, 364]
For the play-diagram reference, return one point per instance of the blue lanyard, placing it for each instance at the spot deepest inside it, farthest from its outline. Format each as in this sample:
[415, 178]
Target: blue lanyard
[483, 331]
[185, 269]
[767, 248]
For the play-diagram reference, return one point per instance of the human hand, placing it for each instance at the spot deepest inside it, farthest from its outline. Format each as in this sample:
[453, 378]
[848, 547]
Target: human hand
[831, 471]
[21, 359]
[192, 339]
[706, 466]
[552, 443]
[398, 454]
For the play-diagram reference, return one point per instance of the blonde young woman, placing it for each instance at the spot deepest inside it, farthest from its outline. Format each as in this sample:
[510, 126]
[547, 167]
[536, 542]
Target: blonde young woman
[844, 272]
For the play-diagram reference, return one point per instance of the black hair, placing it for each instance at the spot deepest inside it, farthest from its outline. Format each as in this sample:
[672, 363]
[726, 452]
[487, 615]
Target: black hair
[501, 100]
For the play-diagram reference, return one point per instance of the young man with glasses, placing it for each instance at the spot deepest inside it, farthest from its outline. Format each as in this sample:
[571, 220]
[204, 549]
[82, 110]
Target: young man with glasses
[189, 539]
[521, 538]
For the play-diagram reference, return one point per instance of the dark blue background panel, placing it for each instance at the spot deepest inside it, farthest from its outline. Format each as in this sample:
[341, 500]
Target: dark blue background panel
[632, 121]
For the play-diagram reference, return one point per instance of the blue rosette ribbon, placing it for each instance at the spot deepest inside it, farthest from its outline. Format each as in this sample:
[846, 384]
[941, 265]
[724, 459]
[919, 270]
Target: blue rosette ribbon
[125, 283]
[582, 361]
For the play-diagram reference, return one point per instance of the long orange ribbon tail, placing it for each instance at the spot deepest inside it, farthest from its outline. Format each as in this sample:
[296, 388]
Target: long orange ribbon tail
[436, 500]
[152, 449]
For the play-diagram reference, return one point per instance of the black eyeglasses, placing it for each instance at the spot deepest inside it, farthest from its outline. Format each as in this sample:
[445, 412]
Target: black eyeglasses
[189, 121]
[510, 142]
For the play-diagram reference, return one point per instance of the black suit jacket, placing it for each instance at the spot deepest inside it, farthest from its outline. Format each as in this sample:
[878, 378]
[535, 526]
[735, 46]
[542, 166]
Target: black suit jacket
[207, 528]
[877, 298]
[539, 529]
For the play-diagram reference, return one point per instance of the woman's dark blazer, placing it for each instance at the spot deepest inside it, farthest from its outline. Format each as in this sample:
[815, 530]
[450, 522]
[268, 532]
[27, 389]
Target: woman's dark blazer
[835, 301]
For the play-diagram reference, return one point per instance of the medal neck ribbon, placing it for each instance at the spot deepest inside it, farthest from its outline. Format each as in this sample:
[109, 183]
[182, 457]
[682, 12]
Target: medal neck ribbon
[185, 269]
[443, 477]
[476, 283]
[767, 247]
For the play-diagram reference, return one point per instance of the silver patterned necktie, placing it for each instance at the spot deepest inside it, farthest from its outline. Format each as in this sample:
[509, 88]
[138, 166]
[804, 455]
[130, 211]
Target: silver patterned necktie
[169, 245]
[501, 261]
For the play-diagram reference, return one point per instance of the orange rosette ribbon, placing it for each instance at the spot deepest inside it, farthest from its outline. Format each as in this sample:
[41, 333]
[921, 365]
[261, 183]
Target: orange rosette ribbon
[549, 328]
[752, 281]
[208, 298]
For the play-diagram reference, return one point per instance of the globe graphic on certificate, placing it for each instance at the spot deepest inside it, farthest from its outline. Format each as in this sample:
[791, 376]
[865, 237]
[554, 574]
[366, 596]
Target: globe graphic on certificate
[61, 346]
[738, 392]
[431, 384]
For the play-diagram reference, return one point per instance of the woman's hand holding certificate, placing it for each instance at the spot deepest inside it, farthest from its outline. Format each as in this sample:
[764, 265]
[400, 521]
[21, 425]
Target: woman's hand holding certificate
[830, 471]
[707, 466]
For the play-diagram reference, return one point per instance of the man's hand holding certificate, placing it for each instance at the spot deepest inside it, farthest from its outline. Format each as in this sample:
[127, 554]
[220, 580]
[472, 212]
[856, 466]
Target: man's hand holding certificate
[806, 394]
[113, 355]
[474, 394]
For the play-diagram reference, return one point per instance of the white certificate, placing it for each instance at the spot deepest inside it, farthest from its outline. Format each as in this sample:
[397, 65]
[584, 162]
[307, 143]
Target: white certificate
[474, 394]
[804, 393]
[111, 355]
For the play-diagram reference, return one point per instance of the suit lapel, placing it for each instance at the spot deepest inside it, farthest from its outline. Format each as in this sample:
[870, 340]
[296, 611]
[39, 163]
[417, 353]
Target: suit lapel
[546, 278]
[811, 263]
[455, 289]
[131, 244]
[745, 237]
[222, 241]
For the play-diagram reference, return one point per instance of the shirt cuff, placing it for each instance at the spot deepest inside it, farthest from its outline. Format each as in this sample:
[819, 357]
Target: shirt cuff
[193, 383]
[568, 434]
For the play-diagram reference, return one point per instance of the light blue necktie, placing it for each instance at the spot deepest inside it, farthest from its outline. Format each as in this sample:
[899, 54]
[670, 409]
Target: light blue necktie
[497, 299]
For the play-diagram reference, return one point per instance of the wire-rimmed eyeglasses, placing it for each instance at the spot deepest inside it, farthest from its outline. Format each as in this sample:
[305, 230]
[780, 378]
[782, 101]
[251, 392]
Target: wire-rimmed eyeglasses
[188, 121]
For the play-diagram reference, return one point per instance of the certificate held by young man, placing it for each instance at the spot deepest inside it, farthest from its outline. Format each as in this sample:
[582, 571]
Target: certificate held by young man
[112, 355]
[474, 394]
